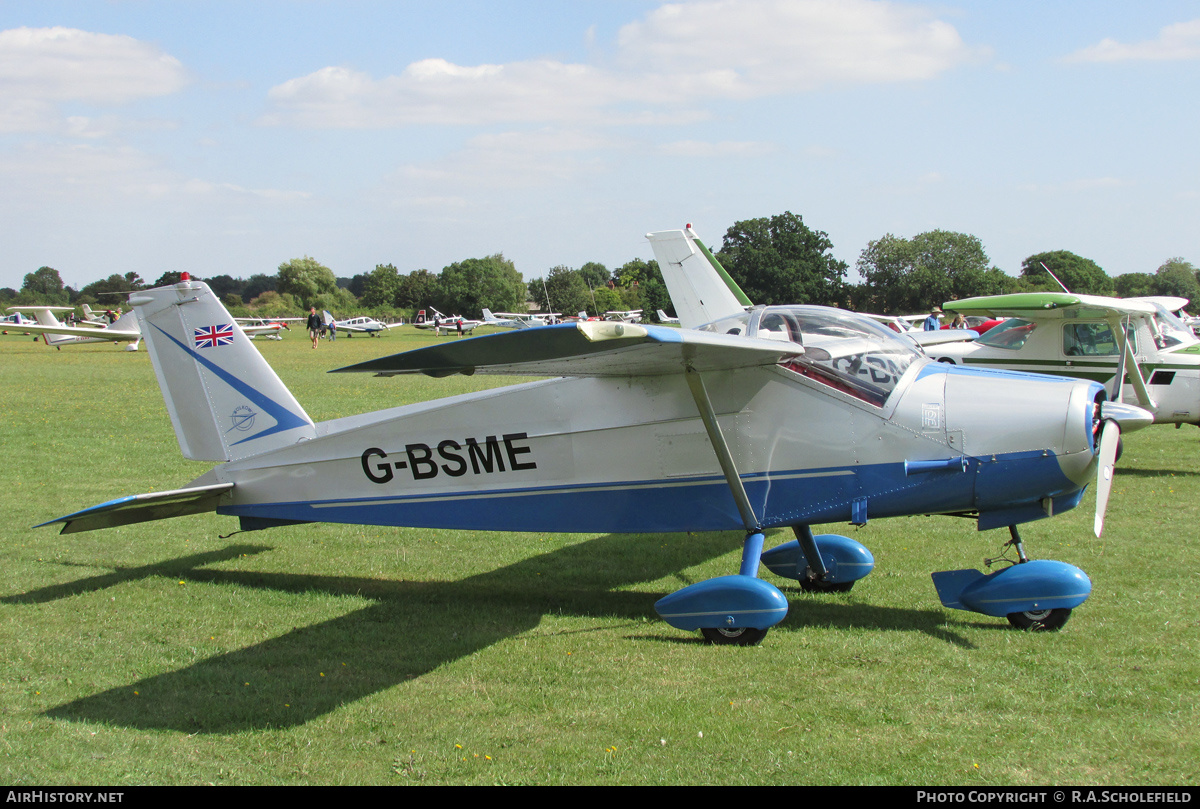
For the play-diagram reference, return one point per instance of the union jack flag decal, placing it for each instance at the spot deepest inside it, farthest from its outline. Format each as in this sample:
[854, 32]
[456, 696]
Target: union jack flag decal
[213, 336]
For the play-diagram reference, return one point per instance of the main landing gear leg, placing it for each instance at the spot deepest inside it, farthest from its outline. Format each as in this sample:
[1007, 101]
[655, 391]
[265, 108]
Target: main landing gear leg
[737, 609]
[828, 563]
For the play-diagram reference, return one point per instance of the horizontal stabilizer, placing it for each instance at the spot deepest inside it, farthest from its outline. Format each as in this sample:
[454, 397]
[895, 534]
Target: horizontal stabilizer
[143, 507]
[584, 349]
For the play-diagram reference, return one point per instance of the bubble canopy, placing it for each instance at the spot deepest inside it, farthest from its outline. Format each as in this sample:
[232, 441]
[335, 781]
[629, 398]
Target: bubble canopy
[842, 349]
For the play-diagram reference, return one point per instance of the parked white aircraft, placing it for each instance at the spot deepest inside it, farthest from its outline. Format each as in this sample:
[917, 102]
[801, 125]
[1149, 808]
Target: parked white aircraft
[363, 325]
[663, 317]
[439, 322]
[624, 316]
[1084, 336]
[269, 327]
[513, 320]
[54, 333]
[746, 430]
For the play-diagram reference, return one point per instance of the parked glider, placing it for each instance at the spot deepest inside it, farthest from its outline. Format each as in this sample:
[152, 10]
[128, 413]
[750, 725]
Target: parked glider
[1084, 336]
[781, 416]
[124, 330]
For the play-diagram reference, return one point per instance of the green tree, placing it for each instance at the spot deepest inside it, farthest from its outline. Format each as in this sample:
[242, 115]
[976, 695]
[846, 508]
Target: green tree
[44, 285]
[110, 288]
[418, 289]
[595, 275]
[1134, 285]
[909, 275]
[780, 260]
[470, 285]
[273, 304]
[606, 300]
[568, 291]
[305, 279]
[171, 277]
[1176, 277]
[381, 286]
[1080, 275]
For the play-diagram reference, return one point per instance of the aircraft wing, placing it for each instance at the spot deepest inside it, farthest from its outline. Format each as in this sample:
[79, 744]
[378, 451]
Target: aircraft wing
[590, 348]
[115, 335]
[939, 336]
[1048, 306]
[143, 507]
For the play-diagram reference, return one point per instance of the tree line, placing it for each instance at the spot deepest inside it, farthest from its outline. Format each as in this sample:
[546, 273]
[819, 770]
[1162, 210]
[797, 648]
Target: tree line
[775, 260]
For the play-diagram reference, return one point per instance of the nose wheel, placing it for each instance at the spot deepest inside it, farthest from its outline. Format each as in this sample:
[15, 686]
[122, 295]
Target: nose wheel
[740, 636]
[1040, 620]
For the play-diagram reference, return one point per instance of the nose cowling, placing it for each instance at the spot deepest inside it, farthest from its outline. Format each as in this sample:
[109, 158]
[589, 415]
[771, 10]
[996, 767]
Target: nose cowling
[1031, 435]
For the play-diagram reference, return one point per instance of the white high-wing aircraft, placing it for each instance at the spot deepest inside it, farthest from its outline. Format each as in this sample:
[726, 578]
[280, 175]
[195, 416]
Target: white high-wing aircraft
[440, 322]
[54, 333]
[624, 316]
[513, 320]
[363, 325]
[1085, 337]
[663, 317]
[780, 416]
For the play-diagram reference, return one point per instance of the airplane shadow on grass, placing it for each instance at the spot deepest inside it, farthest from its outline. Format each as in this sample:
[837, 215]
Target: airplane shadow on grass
[410, 630]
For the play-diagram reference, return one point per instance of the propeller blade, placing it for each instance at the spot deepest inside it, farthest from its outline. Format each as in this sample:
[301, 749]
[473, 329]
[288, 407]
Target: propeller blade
[1109, 438]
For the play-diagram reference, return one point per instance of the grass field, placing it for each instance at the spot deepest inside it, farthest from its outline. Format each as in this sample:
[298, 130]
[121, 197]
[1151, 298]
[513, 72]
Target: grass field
[164, 654]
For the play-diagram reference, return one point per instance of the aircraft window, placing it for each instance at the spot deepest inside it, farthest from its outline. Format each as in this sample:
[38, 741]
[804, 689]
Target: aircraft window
[1170, 330]
[1089, 340]
[738, 324]
[1010, 334]
[849, 352]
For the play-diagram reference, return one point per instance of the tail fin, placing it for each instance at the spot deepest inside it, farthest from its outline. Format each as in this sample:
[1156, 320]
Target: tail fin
[420, 317]
[700, 288]
[488, 317]
[225, 402]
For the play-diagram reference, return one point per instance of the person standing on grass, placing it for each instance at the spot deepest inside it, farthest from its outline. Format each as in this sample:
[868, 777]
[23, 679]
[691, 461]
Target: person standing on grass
[314, 325]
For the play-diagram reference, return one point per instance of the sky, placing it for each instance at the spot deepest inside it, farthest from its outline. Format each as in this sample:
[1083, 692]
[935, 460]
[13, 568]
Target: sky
[230, 137]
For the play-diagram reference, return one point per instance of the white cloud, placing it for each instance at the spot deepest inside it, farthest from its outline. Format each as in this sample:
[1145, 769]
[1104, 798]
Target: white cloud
[1175, 42]
[45, 173]
[727, 148]
[41, 68]
[766, 47]
[676, 58]
[504, 161]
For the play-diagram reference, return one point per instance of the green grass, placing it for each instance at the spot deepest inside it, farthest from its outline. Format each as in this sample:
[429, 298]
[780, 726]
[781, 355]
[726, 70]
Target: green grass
[164, 654]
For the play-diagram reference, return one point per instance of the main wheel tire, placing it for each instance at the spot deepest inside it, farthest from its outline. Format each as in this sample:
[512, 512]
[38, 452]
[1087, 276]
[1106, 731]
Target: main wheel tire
[1040, 620]
[741, 636]
[818, 586]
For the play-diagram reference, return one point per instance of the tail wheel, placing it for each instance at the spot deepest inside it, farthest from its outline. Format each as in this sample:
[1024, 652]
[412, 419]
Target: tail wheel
[1040, 620]
[741, 636]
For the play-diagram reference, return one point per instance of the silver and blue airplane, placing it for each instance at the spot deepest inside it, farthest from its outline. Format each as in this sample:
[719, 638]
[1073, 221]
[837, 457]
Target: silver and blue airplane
[743, 419]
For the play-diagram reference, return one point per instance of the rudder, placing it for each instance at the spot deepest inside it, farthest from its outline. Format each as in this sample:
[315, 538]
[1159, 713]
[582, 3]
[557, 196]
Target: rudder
[224, 400]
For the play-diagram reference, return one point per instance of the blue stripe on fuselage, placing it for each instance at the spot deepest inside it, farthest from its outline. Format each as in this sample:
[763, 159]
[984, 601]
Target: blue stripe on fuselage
[700, 503]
